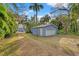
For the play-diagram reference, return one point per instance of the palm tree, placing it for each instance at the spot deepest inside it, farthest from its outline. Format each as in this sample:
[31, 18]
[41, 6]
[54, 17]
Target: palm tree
[36, 7]
[67, 9]
[74, 15]
[45, 19]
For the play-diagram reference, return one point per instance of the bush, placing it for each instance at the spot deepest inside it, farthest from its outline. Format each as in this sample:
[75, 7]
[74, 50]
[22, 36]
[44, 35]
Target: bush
[2, 33]
[8, 25]
[12, 23]
[61, 31]
[4, 26]
[29, 25]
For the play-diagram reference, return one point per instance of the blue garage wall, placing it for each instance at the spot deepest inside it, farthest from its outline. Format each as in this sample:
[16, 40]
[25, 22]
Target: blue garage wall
[41, 31]
[35, 31]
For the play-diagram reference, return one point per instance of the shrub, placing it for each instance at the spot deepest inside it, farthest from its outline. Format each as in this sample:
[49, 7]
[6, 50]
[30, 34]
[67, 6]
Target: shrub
[2, 33]
[28, 27]
[5, 27]
[7, 22]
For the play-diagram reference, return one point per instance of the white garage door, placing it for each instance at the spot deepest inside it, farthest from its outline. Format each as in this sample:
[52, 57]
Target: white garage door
[41, 32]
[50, 32]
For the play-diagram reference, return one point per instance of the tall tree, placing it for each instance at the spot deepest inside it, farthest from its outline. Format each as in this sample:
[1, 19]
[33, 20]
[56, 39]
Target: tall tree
[61, 8]
[45, 19]
[36, 7]
[74, 15]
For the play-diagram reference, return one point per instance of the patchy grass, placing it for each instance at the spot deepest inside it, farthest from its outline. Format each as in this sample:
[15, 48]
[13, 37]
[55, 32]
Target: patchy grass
[69, 45]
[9, 46]
[52, 41]
[22, 44]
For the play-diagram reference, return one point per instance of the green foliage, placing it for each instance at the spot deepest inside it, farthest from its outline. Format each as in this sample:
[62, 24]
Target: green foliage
[55, 22]
[8, 25]
[36, 7]
[5, 27]
[12, 23]
[2, 33]
[61, 31]
[29, 25]
[44, 19]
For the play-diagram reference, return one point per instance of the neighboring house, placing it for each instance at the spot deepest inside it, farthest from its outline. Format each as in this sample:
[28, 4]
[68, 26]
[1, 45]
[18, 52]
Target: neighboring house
[21, 28]
[44, 30]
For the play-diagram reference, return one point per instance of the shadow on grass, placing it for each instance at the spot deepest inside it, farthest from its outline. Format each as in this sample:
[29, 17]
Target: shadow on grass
[68, 51]
[9, 48]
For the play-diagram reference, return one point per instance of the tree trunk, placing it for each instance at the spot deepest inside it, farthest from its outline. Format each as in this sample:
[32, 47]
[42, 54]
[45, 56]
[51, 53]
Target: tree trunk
[69, 21]
[36, 16]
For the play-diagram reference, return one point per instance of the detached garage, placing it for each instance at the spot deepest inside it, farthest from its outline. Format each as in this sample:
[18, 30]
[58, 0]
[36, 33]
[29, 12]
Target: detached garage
[44, 30]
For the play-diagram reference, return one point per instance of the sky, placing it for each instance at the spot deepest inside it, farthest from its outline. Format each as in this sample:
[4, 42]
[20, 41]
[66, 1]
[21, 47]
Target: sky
[48, 7]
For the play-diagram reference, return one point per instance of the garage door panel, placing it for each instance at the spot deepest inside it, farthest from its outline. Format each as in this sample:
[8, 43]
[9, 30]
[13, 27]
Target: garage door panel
[50, 32]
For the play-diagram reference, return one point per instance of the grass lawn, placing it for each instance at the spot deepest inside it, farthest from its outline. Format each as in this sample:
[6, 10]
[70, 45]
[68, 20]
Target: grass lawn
[22, 44]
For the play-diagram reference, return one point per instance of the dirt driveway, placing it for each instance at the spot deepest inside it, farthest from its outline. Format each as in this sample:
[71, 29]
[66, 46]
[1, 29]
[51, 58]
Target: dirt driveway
[42, 46]
[28, 45]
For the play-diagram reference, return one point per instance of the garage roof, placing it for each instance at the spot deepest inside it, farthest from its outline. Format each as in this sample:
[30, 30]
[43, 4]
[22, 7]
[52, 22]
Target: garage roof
[44, 25]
